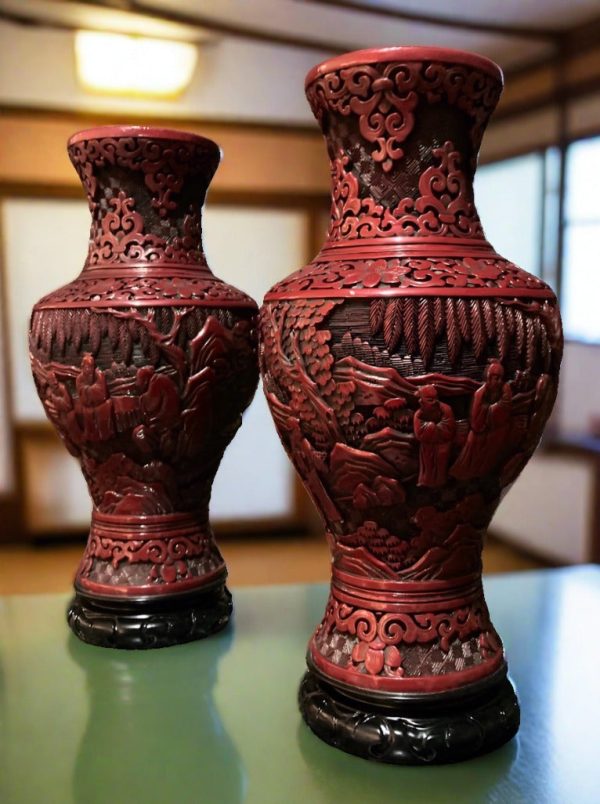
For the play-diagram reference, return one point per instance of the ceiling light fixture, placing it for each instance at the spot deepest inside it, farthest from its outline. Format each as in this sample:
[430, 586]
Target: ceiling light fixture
[119, 64]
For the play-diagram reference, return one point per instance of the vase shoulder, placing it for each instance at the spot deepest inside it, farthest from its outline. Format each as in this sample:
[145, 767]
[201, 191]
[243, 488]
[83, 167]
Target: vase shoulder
[366, 272]
[145, 188]
[146, 288]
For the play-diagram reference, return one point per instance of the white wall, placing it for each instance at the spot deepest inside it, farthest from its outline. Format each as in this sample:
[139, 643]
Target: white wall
[549, 508]
[253, 249]
[578, 401]
[506, 192]
[45, 245]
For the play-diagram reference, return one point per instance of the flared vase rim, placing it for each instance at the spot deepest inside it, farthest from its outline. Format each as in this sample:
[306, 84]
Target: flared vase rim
[402, 54]
[126, 130]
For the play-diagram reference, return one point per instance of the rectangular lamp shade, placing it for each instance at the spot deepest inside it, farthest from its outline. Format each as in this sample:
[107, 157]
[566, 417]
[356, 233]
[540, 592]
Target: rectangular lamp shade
[120, 64]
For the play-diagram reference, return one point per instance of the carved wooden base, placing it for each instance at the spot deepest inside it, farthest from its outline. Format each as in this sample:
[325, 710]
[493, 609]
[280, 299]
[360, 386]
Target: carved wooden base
[149, 623]
[442, 729]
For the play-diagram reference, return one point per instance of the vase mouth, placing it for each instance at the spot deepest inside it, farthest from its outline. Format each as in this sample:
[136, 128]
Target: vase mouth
[135, 131]
[405, 54]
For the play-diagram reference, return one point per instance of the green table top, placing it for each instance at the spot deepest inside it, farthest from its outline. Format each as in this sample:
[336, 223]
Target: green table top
[216, 721]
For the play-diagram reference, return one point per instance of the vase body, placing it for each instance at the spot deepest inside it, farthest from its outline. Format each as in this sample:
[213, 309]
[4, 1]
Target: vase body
[144, 364]
[410, 370]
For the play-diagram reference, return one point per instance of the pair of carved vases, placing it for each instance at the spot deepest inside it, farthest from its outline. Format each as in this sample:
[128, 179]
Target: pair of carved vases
[409, 369]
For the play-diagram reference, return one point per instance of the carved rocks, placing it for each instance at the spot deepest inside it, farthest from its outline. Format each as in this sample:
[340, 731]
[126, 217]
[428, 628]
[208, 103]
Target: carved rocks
[410, 371]
[144, 364]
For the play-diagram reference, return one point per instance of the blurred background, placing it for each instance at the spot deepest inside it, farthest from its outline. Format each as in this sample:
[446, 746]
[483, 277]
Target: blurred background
[234, 71]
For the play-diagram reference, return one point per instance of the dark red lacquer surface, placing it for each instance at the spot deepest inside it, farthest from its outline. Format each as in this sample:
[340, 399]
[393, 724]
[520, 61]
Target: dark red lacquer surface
[145, 362]
[410, 371]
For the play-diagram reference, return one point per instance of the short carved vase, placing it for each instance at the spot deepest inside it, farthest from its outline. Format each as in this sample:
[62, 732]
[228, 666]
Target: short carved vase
[410, 370]
[144, 364]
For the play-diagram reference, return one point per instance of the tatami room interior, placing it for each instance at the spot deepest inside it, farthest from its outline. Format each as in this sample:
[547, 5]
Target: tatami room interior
[535, 191]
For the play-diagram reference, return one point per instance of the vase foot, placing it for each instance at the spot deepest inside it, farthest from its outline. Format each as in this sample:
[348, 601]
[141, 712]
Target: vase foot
[413, 732]
[149, 623]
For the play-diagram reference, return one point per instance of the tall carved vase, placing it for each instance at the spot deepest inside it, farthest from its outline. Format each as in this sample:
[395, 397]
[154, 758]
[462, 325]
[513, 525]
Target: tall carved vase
[144, 364]
[410, 370]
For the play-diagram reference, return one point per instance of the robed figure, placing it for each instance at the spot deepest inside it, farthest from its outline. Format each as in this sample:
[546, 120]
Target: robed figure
[488, 440]
[434, 427]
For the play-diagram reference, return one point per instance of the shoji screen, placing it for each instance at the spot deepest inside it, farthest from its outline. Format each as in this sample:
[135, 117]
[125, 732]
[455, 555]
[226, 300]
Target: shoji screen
[45, 242]
[509, 198]
[44, 246]
[253, 248]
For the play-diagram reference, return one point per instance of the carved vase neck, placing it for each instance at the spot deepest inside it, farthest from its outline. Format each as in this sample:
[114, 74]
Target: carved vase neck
[145, 189]
[403, 128]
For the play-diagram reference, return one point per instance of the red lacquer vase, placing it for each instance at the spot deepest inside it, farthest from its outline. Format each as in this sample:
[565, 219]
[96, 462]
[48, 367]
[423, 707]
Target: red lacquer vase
[410, 370]
[144, 364]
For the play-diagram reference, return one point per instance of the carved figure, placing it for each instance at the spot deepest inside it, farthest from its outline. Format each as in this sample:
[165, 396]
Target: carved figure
[489, 421]
[435, 428]
[61, 411]
[93, 404]
[144, 364]
[160, 408]
[410, 370]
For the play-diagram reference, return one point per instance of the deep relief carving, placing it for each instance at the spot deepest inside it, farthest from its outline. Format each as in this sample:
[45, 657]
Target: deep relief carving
[443, 207]
[407, 419]
[385, 99]
[164, 164]
[170, 558]
[166, 178]
[120, 238]
[144, 365]
[147, 399]
[428, 274]
[170, 288]
[410, 371]
[149, 550]
[379, 643]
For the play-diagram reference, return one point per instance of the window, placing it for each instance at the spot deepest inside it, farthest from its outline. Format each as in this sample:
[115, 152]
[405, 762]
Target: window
[518, 201]
[581, 272]
[509, 198]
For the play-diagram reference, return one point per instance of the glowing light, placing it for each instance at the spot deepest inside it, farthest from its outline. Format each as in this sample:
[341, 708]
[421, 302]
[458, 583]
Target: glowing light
[119, 64]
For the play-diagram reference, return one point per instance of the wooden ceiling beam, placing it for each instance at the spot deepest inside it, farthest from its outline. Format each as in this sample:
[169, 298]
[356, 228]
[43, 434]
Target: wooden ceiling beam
[200, 21]
[584, 36]
[439, 20]
[577, 39]
[209, 23]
